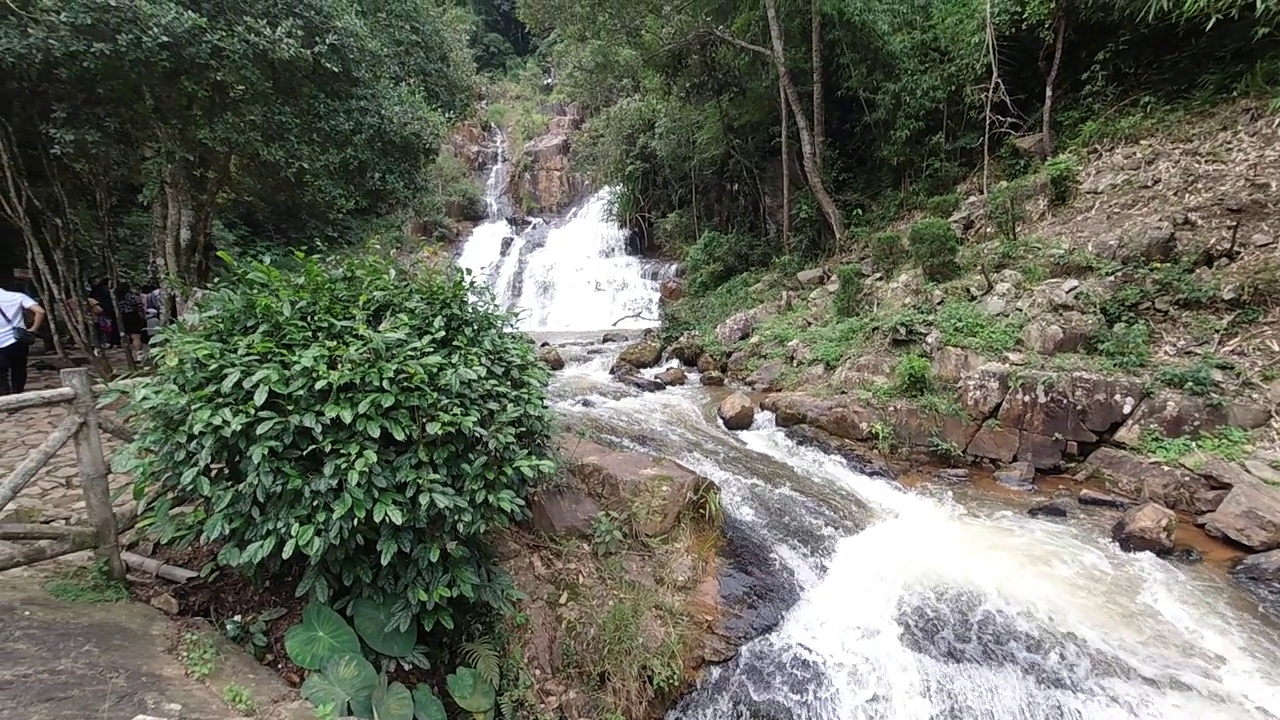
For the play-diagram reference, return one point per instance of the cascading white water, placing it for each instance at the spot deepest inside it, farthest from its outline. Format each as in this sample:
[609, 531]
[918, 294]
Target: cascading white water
[574, 275]
[583, 278]
[914, 606]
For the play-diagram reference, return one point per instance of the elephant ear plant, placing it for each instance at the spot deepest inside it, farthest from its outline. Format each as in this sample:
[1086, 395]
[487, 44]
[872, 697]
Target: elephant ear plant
[342, 682]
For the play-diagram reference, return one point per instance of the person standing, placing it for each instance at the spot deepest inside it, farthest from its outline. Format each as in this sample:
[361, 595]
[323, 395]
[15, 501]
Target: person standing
[131, 318]
[16, 338]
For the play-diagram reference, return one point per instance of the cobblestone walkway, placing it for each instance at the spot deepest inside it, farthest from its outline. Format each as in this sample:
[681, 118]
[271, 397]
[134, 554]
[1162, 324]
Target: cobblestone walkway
[54, 496]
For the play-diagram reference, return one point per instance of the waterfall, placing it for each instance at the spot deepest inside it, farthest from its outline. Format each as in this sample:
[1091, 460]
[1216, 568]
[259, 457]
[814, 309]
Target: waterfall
[569, 273]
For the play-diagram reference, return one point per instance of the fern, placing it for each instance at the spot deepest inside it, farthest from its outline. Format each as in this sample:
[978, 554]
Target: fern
[483, 656]
[507, 703]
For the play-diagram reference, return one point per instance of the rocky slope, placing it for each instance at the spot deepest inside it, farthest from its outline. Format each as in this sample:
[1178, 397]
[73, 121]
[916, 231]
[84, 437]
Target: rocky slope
[1125, 326]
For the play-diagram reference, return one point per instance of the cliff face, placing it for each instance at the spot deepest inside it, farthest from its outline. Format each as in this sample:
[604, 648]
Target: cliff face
[545, 182]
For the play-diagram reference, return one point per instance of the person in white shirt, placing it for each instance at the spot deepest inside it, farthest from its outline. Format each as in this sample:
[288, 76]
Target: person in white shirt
[14, 307]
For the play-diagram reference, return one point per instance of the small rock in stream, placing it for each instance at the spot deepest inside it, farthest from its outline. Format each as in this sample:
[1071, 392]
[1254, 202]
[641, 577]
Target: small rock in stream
[1019, 476]
[1101, 499]
[1186, 555]
[1146, 528]
[1053, 508]
[737, 412]
[952, 475]
[640, 382]
[672, 376]
[614, 337]
[711, 378]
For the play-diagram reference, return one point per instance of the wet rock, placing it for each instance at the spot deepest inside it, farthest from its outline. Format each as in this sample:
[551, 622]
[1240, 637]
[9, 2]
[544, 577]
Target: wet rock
[1146, 528]
[737, 412]
[641, 355]
[614, 337]
[1064, 333]
[641, 383]
[1249, 515]
[1173, 415]
[738, 362]
[1263, 566]
[621, 369]
[813, 277]
[563, 511]
[1138, 477]
[1045, 452]
[995, 442]
[840, 416]
[706, 363]
[687, 349]
[671, 290]
[1101, 499]
[767, 378]
[711, 378]
[1053, 508]
[672, 376]
[550, 355]
[952, 475]
[1186, 555]
[1019, 476]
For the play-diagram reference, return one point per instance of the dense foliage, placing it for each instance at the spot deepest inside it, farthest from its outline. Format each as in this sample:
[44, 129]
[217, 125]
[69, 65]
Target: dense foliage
[367, 424]
[934, 246]
[687, 120]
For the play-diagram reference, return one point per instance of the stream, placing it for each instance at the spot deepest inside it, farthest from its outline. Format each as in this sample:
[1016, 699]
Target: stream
[939, 602]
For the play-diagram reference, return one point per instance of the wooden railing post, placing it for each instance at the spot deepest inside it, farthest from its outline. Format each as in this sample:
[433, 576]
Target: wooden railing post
[93, 470]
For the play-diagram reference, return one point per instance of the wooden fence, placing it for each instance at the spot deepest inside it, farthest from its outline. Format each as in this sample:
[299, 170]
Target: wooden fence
[82, 427]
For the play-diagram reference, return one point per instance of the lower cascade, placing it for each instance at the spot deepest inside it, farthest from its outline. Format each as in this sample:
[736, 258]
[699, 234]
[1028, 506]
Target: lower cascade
[937, 603]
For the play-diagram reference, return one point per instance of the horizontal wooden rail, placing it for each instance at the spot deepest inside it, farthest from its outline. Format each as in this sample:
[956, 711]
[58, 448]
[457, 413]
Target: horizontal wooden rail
[56, 396]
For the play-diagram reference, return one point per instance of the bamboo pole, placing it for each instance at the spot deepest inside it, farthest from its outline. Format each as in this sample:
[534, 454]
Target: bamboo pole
[30, 531]
[158, 568]
[46, 550]
[36, 459]
[93, 471]
[35, 398]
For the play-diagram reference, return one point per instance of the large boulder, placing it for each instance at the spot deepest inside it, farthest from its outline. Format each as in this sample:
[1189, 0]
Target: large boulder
[550, 355]
[687, 349]
[711, 378]
[950, 364]
[671, 290]
[1249, 515]
[672, 376]
[840, 416]
[1146, 528]
[995, 442]
[983, 389]
[1102, 402]
[548, 182]
[1139, 478]
[563, 511]
[767, 377]
[707, 363]
[811, 278]
[1063, 333]
[737, 412]
[1041, 403]
[641, 355]
[741, 325]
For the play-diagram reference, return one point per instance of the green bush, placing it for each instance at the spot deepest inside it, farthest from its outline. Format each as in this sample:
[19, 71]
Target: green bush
[942, 205]
[718, 257]
[1126, 346]
[886, 251]
[913, 376]
[368, 423]
[934, 247]
[848, 297]
[1063, 173]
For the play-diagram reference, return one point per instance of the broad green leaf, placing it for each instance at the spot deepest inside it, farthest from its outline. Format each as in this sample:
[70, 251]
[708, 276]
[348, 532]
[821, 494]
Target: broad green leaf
[322, 634]
[426, 706]
[373, 620]
[472, 692]
[394, 702]
[345, 679]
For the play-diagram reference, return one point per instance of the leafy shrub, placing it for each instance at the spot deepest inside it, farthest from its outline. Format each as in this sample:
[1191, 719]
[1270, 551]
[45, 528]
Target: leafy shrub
[848, 297]
[1126, 346]
[1063, 173]
[717, 257]
[1195, 379]
[368, 423]
[934, 246]
[964, 324]
[1007, 206]
[942, 205]
[887, 251]
[1229, 443]
[913, 376]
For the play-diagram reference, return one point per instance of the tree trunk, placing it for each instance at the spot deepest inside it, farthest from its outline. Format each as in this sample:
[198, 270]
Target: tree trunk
[812, 169]
[819, 104]
[786, 172]
[1048, 143]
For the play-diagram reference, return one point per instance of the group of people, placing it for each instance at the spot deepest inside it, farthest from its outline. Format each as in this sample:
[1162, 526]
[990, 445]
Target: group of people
[138, 318]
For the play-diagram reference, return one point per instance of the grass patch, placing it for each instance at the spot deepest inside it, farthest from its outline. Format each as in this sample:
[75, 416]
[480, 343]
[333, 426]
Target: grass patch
[87, 584]
[703, 312]
[1228, 443]
[239, 698]
[1198, 379]
[962, 324]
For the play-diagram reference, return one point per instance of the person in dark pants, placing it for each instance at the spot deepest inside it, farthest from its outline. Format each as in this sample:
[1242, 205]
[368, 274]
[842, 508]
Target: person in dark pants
[14, 307]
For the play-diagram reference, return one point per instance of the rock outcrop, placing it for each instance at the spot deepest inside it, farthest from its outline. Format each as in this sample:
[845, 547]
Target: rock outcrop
[1249, 515]
[550, 355]
[1136, 477]
[641, 355]
[548, 184]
